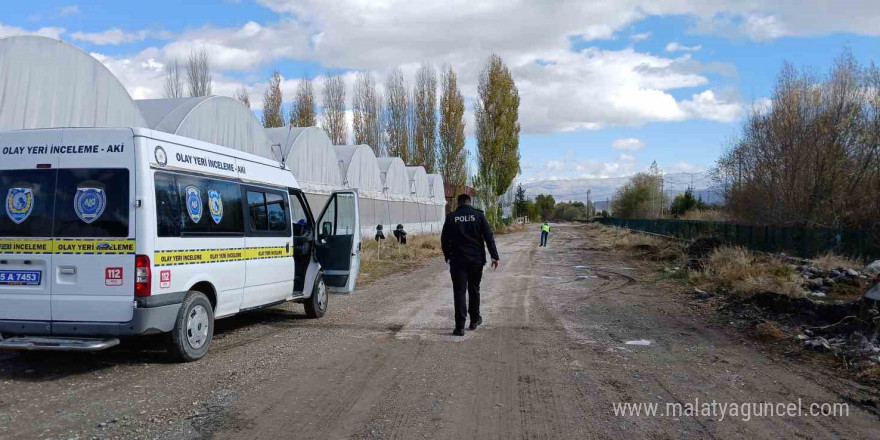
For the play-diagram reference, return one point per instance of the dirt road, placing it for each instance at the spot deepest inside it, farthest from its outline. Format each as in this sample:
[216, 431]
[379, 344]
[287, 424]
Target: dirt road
[569, 331]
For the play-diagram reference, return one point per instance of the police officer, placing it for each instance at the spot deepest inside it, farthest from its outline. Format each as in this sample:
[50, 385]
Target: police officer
[466, 234]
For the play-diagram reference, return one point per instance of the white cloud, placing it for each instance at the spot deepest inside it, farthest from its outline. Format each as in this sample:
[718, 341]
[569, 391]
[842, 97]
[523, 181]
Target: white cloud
[560, 89]
[675, 46]
[554, 165]
[598, 169]
[113, 36]
[628, 144]
[50, 32]
[761, 106]
[706, 105]
[627, 157]
[640, 37]
[684, 167]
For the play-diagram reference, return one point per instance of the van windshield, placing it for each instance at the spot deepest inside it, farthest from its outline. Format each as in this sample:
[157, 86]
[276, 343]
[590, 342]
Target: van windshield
[65, 203]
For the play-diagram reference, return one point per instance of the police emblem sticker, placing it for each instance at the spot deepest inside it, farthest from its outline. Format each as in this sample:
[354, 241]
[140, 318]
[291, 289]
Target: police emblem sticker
[19, 203]
[161, 157]
[215, 205]
[89, 201]
[193, 203]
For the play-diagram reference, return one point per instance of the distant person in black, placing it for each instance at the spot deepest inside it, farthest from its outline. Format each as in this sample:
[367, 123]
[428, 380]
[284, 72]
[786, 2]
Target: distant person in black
[466, 234]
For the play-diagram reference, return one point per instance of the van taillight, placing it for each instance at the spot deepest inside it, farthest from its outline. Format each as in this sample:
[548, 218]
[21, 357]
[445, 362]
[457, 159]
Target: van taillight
[44, 165]
[142, 275]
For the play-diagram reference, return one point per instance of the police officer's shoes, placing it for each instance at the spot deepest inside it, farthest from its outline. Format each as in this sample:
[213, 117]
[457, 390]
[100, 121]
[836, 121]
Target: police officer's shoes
[458, 332]
[476, 323]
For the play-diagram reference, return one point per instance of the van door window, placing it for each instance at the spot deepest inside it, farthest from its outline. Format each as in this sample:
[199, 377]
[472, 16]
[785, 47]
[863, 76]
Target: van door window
[92, 203]
[257, 208]
[275, 208]
[28, 199]
[267, 212]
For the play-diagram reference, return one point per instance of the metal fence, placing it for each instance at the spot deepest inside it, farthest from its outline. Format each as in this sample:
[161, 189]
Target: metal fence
[793, 240]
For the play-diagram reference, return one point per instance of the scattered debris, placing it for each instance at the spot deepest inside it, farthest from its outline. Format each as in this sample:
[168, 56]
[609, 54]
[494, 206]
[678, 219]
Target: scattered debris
[639, 342]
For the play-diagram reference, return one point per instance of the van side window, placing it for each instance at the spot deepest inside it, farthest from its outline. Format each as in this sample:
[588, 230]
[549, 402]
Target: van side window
[92, 202]
[267, 212]
[192, 205]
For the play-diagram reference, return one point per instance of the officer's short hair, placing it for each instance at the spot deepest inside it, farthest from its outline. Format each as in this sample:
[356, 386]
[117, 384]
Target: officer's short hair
[464, 199]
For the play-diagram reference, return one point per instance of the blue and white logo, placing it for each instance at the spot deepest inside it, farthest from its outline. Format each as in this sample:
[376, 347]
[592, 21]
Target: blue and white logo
[89, 203]
[215, 205]
[161, 156]
[193, 203]
[19, 203]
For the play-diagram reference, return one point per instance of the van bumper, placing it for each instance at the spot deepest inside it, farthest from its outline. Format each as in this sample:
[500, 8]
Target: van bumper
[145, 321]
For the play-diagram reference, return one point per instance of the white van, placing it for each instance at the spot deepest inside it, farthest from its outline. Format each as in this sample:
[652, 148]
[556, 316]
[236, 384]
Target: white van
[109, 232]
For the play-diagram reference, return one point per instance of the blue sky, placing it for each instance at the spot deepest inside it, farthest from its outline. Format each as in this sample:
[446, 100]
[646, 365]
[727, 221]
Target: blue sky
[606, 86]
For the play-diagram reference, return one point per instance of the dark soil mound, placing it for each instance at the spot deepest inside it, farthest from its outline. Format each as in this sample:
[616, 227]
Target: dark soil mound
[700, 249]
[796, 311]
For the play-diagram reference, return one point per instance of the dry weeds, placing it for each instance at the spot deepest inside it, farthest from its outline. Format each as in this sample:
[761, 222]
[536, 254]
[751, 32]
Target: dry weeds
[392, 258]
[707, 215]
[769, 331]
[830, 260]
[738, 271]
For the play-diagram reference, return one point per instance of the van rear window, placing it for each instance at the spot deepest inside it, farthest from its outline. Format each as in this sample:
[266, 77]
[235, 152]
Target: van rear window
[92, 203]
[65, 203]
[28, 199]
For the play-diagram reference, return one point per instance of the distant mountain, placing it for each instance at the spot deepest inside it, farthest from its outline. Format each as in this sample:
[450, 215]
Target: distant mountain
[603, 189]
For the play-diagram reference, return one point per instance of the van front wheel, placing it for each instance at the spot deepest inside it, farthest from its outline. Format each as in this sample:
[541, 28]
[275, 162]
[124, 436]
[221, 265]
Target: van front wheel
[316, 305]
[193, 329]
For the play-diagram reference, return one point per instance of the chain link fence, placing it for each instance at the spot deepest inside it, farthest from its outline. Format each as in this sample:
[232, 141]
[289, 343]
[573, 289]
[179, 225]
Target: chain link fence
[793, 240]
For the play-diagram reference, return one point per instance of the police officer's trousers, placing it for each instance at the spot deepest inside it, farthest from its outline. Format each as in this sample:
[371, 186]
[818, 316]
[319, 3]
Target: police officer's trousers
[544, 235]
[466, 280]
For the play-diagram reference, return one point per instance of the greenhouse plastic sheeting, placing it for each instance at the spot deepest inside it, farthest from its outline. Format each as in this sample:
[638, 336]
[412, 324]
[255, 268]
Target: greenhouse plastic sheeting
[216, 119]
[47, 83]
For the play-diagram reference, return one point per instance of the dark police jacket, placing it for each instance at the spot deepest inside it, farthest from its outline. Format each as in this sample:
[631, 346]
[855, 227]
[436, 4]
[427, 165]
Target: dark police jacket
[466, 233]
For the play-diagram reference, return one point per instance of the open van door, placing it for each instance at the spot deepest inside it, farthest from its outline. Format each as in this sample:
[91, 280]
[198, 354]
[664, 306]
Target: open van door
[338, 242]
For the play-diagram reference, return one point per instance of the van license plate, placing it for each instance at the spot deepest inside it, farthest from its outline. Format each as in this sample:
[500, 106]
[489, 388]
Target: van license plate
[20, 277]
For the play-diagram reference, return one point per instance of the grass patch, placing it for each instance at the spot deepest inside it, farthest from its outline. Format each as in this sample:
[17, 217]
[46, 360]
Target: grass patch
[830, 260]
[393, 258]
[738, 271]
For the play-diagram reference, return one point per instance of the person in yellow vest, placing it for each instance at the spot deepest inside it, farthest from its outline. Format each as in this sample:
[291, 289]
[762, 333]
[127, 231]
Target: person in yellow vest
[545, 233]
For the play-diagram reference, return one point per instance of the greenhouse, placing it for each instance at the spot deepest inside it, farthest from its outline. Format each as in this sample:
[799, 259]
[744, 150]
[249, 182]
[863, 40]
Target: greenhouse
[311, 157]
[216, 119]
[45, 83]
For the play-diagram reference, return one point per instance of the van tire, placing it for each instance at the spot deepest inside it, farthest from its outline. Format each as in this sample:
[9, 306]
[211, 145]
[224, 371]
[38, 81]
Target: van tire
[316, 305]
[189, 340]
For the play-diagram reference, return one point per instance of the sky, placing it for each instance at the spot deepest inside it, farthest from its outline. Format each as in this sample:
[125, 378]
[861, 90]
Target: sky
[606, 86]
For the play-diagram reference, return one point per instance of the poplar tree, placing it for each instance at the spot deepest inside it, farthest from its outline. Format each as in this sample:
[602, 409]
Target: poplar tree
[425, 118]
[452, 156]
[367, 106]
[395, 115]
[303, 112]
[497, 130]
[273, 114]
[333, 118]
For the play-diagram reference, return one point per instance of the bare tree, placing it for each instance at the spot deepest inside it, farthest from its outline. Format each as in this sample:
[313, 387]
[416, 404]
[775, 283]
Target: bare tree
[333, 119]
[812, 159]
[243, 95]
[396, 111]
[273, 114]
[303, 112]
[198, 73]
[173, 80]
[452, 156]
[367, 106]
[425, 118]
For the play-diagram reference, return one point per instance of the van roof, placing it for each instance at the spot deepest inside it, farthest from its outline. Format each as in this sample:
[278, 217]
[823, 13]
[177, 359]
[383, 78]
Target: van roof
[204, 146]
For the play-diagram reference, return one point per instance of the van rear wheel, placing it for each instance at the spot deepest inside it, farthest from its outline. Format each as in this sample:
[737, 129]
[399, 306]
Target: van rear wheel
[193, 330]
[316, 305]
